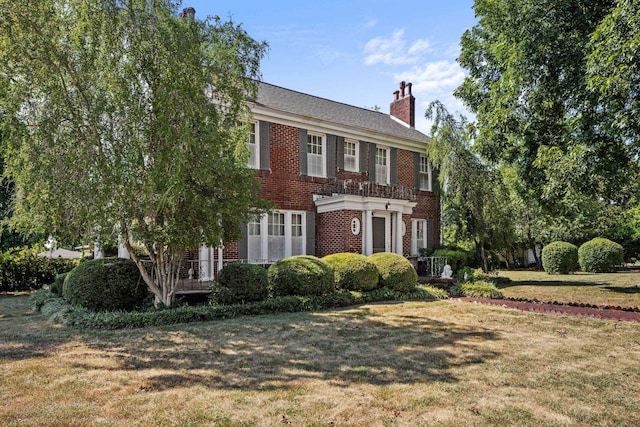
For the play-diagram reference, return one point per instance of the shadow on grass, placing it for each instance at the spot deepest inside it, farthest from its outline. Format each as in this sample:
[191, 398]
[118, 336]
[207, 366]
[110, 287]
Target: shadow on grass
[624, 289]
[341, 348]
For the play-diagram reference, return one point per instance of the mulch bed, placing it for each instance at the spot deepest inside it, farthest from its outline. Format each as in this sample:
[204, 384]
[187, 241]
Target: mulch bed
[625, 314]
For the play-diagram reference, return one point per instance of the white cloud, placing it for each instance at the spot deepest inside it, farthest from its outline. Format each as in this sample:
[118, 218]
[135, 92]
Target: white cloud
[392, 50]
[370, 23]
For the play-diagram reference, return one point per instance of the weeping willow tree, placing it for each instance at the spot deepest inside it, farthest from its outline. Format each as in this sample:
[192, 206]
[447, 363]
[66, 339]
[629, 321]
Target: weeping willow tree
[122, 116]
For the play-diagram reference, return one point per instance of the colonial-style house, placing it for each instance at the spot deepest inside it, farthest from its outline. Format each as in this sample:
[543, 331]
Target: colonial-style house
[341, 179]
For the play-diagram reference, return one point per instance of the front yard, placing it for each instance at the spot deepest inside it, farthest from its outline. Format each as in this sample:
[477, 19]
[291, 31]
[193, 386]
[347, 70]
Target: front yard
[416, 363]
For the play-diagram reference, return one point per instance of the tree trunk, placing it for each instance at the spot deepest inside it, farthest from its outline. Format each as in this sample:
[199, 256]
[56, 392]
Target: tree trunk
[162, 279]
[483, 254]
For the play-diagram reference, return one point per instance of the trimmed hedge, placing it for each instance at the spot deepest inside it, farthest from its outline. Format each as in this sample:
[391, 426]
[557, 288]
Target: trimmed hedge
[353, 271]
[600, 255]
[302, 275]
[240, 283]
[58, 284]
[560, 258]
[105, 284]
[396, 272]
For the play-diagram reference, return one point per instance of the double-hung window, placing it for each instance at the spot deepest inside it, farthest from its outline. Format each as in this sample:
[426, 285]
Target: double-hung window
[425, 174]
[254, 147]
[418, 235]
[351, 154]
[382, 165]
[316, 154]
[276, 235]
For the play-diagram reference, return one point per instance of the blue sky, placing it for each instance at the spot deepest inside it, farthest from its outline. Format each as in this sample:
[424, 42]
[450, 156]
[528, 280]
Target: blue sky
[357, 52]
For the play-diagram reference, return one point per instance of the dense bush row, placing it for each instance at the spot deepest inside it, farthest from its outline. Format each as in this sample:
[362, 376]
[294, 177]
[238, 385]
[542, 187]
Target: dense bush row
[595, 256]
[21, 269]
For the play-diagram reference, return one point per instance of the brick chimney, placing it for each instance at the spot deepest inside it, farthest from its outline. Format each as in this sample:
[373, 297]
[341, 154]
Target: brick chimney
[188, 12]
[403, 106]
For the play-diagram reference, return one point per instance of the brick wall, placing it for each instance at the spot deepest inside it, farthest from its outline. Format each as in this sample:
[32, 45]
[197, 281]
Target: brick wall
[334, 233]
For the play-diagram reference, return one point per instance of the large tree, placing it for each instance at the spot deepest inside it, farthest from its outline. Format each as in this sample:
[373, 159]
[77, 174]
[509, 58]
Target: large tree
[123, 117]
[527, 83]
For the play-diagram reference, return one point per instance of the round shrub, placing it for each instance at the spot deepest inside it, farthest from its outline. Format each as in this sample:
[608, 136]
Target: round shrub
[105, 284]
[600, 255]
[240, 283]
[301, 275]
[353, 272]
[396, 272]
[560, 258]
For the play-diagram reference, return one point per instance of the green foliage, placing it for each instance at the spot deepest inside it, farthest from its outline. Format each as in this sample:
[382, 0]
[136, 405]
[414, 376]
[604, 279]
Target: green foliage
[353, 272]
[560, 258]
[22, 269]
[476, 289]
[58, 283]
[396, 272]
[41, 297]
[241, 283]
[57, 310]
[600, 256]
[457, 258]
[105, 284]
[301, 275]
[144, 108]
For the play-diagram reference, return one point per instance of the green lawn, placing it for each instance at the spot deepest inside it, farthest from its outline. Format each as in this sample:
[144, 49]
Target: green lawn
[612, 289]
[445, 363]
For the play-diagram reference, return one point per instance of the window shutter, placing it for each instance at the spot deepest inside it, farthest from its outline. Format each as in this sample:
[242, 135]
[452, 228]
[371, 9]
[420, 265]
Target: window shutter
[363, 156]
[243, 248]
[331, 156]
[311, 233]
[393, 165]
[340, 153]
[416, 170]
[303, 151]
[430, 234]
[265, 159]
[372, 162]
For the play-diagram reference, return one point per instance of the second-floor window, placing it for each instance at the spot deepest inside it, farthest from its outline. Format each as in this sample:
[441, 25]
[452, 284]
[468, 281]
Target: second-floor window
[254, 147]
[382, 165]
[351, 155]
[315, 155]
[425, 174]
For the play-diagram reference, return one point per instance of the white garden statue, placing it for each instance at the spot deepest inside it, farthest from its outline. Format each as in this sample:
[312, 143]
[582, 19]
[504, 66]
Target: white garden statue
[447, 272]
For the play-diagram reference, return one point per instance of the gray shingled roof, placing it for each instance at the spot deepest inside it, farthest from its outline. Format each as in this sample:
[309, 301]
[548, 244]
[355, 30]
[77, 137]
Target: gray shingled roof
[290, 101]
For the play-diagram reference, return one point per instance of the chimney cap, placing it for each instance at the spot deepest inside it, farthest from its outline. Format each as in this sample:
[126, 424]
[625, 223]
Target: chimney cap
[188, 12]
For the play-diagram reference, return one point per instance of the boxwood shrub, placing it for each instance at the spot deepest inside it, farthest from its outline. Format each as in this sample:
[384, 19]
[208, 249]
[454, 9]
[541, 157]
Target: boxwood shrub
[105, 284]
[241, 283]
[396, 272]
[560, 258]
[302, 275]
[600, 255]
[353, 271]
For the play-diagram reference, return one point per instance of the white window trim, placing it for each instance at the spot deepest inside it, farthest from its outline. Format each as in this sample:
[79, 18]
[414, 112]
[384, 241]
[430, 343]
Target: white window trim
[429, 174]
[256, 128]
[387, 178]
[357, 155]
[288, 235]
[323, 139]
[415, 244]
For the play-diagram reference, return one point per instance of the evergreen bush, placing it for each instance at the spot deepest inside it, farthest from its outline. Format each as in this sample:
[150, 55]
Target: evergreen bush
[456, 258]
[105, 284]
[353, 271]
[395, 271]
[560, 258]
[21, 269]
[58, 283]
[600, 256]
[302, 275]
[241, 283]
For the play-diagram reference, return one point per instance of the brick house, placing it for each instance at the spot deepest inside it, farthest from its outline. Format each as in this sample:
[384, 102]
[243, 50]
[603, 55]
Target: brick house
[341, 179]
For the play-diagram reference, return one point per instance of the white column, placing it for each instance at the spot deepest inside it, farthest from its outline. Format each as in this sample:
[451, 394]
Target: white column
[367, 232]
[204, 266]
[220, 258]
[97, 250]
[123, 252]
[398, 233]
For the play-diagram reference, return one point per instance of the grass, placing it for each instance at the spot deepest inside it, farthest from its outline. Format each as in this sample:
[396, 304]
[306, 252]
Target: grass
[613, 289]
[444, 363]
